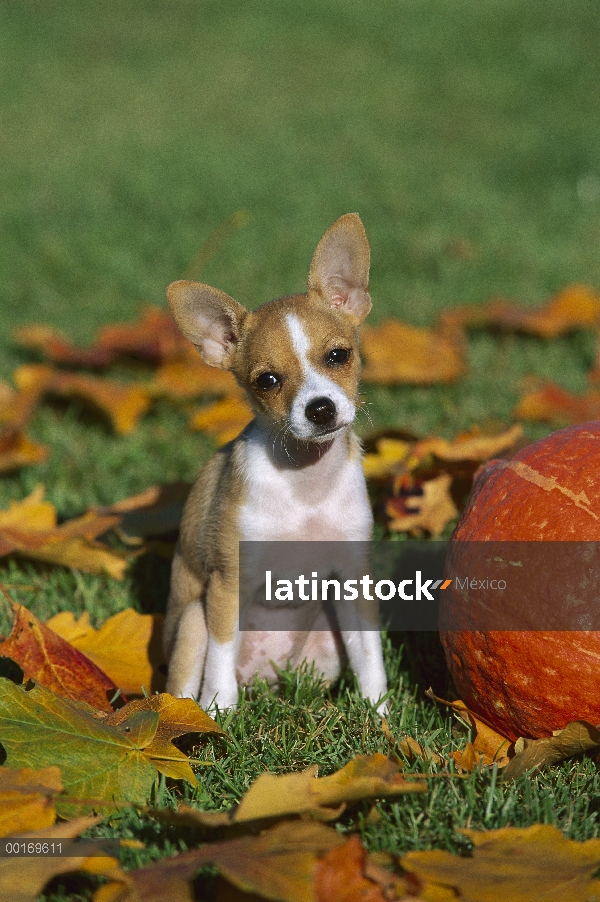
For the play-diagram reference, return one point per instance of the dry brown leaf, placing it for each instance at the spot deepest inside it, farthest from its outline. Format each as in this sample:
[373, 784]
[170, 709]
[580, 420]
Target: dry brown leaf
[17, 407]
[51, 661]
[393, 455]
[278, 864]
[223, 420]
[123, 405]
[575, 307]
[324, 798]
[487, 747]
[396, 353]
[429, 508]
[17, 450]
[178, 716]
[468, 446]
[343, 876]
[189, 377]
[153, 337]
[127, 647]
[53, 345]
[549, 403]
[27, 799]
[16, 410]
[23, 879]
[520, 865]
[29, 528]
[416, 750]
[533, 754]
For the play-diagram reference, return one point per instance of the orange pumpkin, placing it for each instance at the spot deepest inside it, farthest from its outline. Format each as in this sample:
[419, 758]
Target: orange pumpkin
[530, 683]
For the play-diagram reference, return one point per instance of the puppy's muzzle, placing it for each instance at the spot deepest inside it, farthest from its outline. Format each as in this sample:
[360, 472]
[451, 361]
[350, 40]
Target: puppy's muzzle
[321, 411]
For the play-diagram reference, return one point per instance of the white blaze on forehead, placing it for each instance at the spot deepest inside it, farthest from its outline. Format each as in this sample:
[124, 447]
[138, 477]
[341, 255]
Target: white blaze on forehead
[314, 385]
[300, 340]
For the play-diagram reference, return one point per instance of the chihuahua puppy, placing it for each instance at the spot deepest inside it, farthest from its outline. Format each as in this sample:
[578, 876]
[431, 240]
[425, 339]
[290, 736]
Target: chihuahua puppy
[294, 474]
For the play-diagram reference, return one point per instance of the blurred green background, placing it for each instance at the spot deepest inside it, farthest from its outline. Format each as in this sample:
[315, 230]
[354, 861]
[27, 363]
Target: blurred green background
[465, 133]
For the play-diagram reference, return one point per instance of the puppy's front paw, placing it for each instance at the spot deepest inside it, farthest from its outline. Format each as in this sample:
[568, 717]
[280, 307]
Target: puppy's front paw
[219, 698]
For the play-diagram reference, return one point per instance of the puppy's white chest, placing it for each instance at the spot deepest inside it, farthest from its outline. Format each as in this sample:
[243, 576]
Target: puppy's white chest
[326, 501]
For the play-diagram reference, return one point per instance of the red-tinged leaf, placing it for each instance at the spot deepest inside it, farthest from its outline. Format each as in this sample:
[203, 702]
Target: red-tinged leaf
[58, 349]
[153, 337]
[575, 307]
[122, 404]
[155, 511]
[279, 864]
[341, 876]
[127, 647]
[549, 403]
[52, 662]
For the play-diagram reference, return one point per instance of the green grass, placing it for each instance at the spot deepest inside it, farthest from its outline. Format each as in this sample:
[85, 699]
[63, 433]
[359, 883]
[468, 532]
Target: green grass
[129, 133]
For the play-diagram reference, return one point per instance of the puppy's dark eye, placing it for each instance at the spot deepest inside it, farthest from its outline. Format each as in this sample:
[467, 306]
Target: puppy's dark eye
[267, 381]
[337, 356]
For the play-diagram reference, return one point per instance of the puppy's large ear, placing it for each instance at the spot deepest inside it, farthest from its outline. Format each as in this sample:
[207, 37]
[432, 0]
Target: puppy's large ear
[209, 318]
[339, 271]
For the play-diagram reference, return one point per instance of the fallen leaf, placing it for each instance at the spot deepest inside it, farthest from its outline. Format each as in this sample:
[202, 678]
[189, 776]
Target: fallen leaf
[396, 353]
[127, 647]
[29, 528]
[102, 765]
[487, 746]
[55, 347]
[468, 446]
[23, 879]
[533, 754]
[429, 508]
[189, 377]
[416, 750]
[279, 864]
[54, 663]
[549, 403]
[153, 337]
[178, 716]
[122, 404]
[27, 799]
[323, 798]
[341, 876]
[17, 450]
[575, 307]
[517, 864]
[392, 456]
[387, 458]
[223, 420]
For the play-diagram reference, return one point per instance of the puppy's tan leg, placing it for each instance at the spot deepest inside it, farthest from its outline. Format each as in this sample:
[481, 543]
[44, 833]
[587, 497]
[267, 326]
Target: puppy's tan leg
[185, 636]
[220, 685]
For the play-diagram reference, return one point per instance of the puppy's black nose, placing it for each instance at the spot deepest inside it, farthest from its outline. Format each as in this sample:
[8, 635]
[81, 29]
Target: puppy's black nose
[320, 411]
